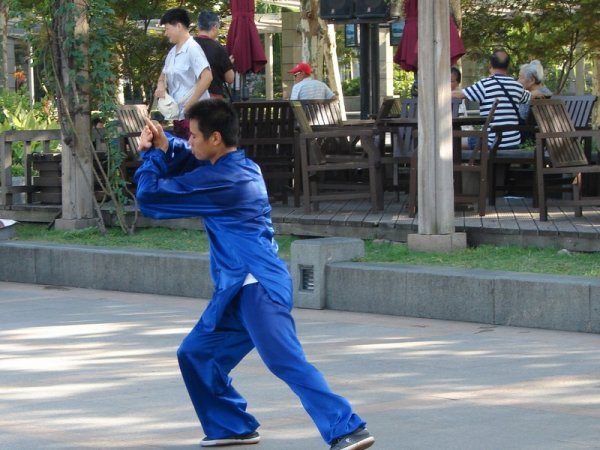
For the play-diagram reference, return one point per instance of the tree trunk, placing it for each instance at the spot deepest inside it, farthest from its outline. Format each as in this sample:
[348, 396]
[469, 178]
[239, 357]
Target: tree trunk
[74, 113]
[309, 28]
[596, 88]
[318, 46]
[333, 68]
[456, 11]
[3, 45]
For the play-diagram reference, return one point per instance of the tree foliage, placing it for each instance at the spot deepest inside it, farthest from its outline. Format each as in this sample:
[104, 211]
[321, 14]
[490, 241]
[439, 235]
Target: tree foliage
[557, 32]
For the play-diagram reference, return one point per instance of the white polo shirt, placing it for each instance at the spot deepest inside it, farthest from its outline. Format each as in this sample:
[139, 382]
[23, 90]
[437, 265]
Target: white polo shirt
[182, 69]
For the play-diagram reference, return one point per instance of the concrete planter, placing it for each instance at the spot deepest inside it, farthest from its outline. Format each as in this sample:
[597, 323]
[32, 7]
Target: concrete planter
[352, 103]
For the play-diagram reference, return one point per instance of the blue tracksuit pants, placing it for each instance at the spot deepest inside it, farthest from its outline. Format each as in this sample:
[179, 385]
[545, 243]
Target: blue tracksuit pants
[251, 320]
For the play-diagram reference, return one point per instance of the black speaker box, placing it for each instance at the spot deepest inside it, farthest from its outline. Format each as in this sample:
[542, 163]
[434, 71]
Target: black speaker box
[372, 9]
[336, 9]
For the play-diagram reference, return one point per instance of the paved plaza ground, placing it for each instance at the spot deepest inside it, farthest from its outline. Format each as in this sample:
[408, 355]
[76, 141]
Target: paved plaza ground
[97, 369]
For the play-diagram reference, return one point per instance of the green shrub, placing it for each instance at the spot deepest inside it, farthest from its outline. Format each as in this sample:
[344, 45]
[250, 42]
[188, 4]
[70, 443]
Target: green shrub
[351, 86]
[403, 81]
[16, 113]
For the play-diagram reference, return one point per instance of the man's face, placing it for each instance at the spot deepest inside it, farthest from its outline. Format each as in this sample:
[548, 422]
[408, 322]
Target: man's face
[527, 84]
[201, 147]
[453, 83]
[214, 32]
[299, 76]
[174, 32]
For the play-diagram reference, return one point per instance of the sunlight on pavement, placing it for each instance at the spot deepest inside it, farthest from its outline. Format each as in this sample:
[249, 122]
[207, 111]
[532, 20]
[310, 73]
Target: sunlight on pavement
[52, 392]
[62, 331]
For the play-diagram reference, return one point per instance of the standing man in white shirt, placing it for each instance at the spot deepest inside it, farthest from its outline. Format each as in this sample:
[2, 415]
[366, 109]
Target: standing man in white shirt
[186, 74]
[307, 88]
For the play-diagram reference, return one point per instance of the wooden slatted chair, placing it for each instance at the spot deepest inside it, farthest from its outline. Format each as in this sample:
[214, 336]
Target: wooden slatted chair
[580, 108]
[322, 112]
[317, 158]
[558, 137]
[519, 164]
[478, 163]
[268, 135]
[327, 113]
[400, 153]
[131, 123]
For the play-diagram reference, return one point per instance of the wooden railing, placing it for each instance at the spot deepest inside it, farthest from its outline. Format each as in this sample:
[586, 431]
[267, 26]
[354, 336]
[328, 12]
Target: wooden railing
[29, 139]
[35, 142]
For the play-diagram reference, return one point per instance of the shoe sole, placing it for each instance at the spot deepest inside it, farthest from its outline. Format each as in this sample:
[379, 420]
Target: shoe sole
[362, 445]
[223, 442]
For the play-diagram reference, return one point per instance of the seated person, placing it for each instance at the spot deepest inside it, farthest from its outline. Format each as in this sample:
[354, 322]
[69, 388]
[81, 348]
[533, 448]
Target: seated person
[307, 88]
[531, 76]
[509, 93]
[455, 79]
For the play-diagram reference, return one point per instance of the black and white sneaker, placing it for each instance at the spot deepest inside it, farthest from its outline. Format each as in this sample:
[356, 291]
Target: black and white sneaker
[358, 440]
[245, 439]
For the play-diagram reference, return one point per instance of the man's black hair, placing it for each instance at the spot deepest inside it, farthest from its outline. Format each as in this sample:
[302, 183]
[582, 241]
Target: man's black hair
[457, 74]
[175, 16]
[216, 115]
[500, 59]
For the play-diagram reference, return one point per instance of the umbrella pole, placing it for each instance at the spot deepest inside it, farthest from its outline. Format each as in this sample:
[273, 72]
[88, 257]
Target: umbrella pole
[236, 88]
[245, 91]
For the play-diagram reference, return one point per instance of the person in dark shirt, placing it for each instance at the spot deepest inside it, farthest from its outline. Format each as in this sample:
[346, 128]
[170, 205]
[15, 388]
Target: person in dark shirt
[219, 60]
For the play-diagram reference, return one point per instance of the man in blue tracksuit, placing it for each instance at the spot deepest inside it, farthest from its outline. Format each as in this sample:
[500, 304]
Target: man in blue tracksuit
[252, 301]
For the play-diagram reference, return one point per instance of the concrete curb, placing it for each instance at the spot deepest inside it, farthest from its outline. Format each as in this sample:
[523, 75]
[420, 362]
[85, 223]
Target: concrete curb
[498, 298]
[471, 295]
[183, 274]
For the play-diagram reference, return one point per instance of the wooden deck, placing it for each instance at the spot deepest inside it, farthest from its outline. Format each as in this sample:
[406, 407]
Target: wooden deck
[513, 221]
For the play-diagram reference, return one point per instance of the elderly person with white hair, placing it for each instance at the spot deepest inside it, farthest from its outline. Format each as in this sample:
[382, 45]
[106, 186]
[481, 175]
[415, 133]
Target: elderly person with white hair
[531, 76]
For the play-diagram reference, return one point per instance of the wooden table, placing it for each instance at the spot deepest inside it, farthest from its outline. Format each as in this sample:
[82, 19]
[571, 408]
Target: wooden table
[395, 125]
[392, 124]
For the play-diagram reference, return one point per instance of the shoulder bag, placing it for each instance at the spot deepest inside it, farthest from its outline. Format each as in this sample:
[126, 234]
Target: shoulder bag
[512, 102]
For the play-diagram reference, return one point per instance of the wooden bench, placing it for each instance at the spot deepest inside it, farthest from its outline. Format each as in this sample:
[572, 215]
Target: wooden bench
[579, 108]
[268, 135]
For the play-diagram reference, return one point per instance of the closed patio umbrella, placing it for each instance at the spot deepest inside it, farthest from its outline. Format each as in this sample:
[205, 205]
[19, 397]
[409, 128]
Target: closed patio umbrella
[406, 55]
[243, 41]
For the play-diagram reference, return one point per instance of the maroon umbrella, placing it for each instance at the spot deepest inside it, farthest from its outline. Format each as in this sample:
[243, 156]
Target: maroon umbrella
[243, 42]
[406, 55]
